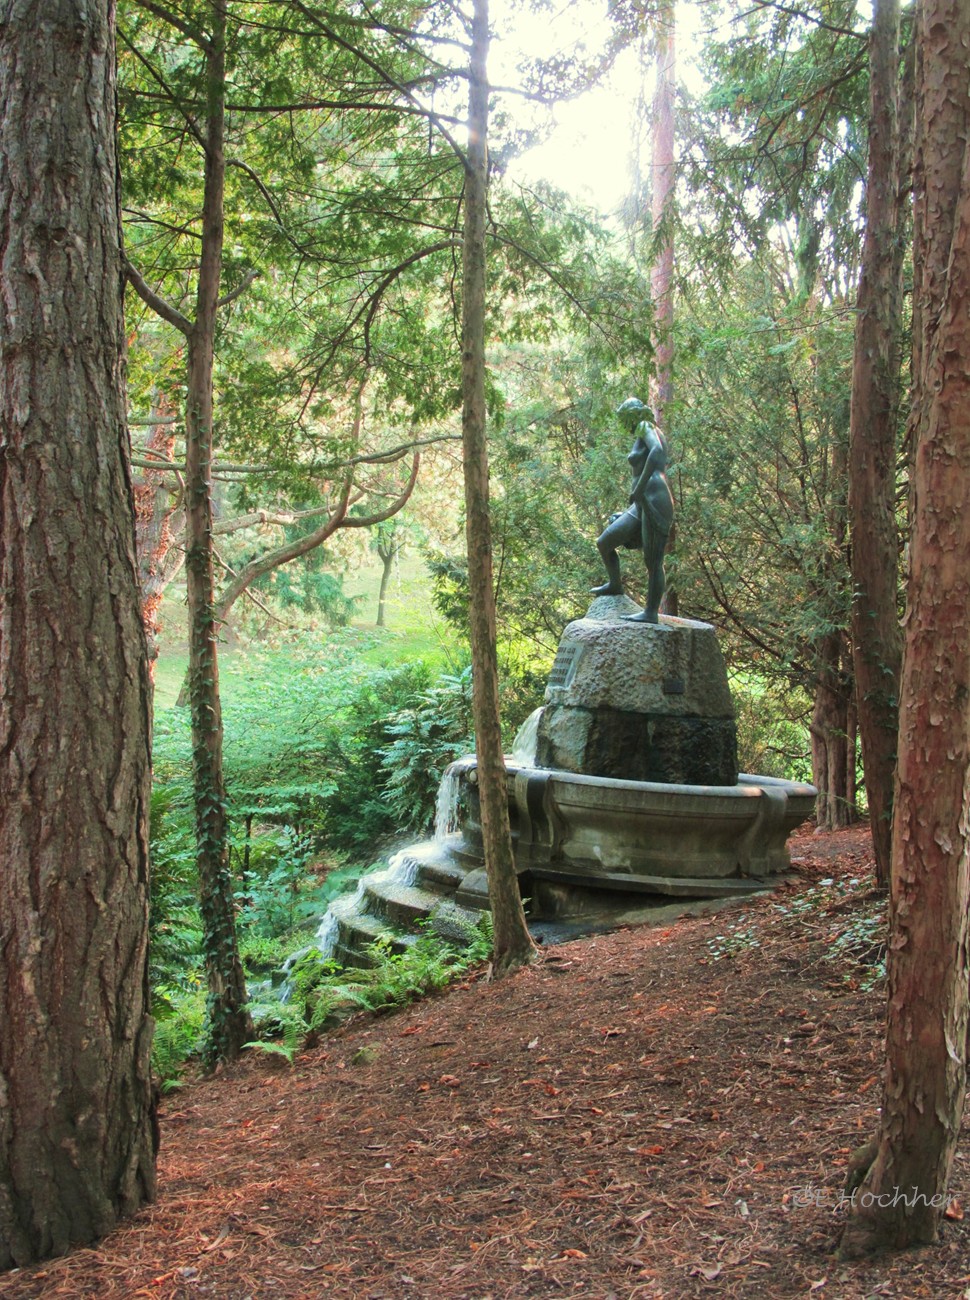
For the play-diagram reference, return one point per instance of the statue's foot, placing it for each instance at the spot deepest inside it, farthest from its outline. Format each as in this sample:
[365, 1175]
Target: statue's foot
[607, 589]
[645, 617]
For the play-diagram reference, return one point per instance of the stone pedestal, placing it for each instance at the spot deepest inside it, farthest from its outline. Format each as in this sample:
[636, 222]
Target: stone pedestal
[639, 701]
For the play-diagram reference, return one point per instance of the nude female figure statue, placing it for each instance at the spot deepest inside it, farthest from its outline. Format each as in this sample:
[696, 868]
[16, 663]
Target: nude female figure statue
[646, 523]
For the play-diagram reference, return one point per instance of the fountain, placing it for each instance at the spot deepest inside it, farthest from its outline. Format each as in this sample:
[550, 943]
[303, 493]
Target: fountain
[623, 788]
[623, 793]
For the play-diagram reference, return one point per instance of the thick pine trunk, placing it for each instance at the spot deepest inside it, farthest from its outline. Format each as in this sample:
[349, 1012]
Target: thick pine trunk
[229, 1023]
[902, 1198]
[877, 641]
[76, 1110]
[512, 943]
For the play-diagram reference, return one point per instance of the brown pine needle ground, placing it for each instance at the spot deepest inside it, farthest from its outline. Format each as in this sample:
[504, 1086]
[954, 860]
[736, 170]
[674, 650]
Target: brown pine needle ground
[657, 1112]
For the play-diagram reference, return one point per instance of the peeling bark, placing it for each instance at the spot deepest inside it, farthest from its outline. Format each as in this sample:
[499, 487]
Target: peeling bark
[926, 1032]
[155, 507]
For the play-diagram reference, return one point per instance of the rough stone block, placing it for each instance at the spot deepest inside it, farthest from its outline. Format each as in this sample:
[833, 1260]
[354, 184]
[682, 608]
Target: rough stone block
[639, 702]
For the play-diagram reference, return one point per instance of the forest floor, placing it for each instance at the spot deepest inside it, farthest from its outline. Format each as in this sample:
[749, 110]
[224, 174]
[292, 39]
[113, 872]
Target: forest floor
[656, 1112]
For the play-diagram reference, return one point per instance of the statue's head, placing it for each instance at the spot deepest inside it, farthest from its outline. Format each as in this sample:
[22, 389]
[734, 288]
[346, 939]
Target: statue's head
[633, 412]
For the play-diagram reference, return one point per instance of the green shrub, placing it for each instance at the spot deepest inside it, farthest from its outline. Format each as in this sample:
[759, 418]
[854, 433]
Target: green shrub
[319, 993]
[426, 738]
[773, 739]
[179, 1030]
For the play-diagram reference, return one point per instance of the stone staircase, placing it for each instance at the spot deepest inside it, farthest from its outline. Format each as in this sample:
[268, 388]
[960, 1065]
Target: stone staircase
[417, 886]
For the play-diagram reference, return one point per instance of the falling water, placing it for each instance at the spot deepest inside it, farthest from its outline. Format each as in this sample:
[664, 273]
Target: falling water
[524, 745]
[401, 869]
[326, 936]
[446, 811]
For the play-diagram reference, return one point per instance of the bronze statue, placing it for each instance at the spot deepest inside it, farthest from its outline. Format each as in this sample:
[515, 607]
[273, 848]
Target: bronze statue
[647, 521]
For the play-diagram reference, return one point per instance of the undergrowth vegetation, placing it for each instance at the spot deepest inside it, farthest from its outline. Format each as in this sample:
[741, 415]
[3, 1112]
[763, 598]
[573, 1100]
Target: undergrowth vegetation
[319, 994]
[328, 758]
[844, 917]
[333, 754]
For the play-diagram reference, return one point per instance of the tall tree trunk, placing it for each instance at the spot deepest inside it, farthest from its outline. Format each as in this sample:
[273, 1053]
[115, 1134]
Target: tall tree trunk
[663, 175]
[830, 733]
[388, 563]
[663, 179]
[154, 508]
[229, 1023]
[76, 1109]
[902, 1198]
[877, 641]
[387, 554]
[512, 942]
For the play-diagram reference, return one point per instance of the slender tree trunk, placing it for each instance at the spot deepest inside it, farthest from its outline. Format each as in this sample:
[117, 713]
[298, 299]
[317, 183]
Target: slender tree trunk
[662, 195]
[154, 507]
[851, 757]
[829, 732]
[877, 641]
[902, 1198]
[229, 1023]
[512, 942]
[663, 180]
[387, 555]
[76, 1108]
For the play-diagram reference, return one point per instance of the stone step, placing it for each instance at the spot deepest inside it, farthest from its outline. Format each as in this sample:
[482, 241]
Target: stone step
[672, 886]
[394, 904]
[433, 865]
[357, 930]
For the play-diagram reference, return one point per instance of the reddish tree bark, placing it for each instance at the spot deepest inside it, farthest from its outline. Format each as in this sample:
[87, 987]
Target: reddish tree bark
[76, 1109]
[903, 1196]
[154, 508]
[664, 175]
[877, 640]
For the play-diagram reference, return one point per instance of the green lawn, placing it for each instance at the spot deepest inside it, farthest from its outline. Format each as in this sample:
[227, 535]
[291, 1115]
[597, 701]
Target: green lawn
[414, 630]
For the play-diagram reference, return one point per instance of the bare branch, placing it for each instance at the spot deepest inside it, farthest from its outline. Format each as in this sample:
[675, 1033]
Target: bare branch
[170, 94]
[335, 466]
[158, 304]
[806, 16]
[279, 518]
[341, 105]
[270, 560]
[180, 24]
[240, 288]
[137, 214]
[368, 521]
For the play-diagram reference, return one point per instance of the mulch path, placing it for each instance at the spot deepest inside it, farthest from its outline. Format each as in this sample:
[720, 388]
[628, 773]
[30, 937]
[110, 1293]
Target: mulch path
[655, 1112]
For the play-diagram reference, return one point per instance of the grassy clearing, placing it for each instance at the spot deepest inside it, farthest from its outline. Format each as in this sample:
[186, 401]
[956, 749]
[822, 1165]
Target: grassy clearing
[414, 630]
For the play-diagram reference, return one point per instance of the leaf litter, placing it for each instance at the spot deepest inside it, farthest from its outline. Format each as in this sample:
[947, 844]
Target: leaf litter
[656, 1112]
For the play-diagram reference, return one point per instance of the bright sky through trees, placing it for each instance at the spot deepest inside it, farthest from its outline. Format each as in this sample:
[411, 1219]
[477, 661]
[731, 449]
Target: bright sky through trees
[591, 147]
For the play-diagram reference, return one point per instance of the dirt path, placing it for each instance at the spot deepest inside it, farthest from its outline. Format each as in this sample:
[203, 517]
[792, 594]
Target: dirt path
[655, 1113]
